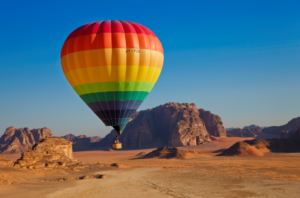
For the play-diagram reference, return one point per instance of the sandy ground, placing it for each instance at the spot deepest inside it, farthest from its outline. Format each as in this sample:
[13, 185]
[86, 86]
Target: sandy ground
[274, 175]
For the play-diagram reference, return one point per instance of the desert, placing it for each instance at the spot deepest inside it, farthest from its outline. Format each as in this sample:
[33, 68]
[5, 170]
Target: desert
[186, 154]
[194, 171]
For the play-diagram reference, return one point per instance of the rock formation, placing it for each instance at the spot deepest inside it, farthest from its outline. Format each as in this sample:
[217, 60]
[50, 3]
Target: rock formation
[21, 140]
[213, 123]
[49, 152]
[253, 147]
[172, 124]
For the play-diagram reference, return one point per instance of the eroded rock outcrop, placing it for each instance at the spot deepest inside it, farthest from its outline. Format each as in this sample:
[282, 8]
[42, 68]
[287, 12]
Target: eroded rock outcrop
[21, 140]
[49, 152]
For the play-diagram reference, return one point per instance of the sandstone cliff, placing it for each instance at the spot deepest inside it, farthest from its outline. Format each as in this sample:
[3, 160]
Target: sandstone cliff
[172, 124]
[21, 140]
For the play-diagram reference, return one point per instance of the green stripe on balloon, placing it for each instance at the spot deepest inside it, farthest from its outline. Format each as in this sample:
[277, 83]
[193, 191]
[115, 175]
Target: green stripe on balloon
[114, 96]
[113, 86]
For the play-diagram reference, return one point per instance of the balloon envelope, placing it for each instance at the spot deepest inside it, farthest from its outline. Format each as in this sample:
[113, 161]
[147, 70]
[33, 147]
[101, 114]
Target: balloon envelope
[112, 65]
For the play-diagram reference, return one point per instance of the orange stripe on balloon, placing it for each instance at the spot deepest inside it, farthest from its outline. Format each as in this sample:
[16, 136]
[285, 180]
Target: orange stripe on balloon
[102, 58]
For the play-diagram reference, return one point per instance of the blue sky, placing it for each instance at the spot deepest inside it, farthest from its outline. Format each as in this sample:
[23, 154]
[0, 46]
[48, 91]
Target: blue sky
[238, 59]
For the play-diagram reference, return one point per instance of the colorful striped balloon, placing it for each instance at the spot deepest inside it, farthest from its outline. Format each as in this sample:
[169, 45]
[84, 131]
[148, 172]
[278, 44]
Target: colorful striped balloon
[112, 65]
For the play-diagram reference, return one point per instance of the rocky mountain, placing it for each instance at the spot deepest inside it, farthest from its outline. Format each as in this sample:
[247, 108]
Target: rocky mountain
[69, 137]
[284, 131]
[82, 143]
[21, 140]
[257, 147]
[251, 131]
[253, 126]
[172, 124]
[72, 138]
[95, 138]
[230, 128]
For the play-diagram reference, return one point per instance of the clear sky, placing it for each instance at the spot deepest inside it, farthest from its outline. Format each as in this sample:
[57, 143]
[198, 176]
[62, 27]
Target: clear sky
[238, 59]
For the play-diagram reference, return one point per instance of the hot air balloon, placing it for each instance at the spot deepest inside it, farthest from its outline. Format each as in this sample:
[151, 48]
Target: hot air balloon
[112, 65]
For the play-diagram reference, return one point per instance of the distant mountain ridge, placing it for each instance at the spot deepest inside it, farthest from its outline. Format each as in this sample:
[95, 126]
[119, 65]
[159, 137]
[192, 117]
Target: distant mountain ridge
[72, 137]
[22, 139]
[284, 131]
[257, 147]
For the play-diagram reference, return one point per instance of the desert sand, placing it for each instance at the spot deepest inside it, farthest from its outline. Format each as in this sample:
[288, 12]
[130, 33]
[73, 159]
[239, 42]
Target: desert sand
[200, 175]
